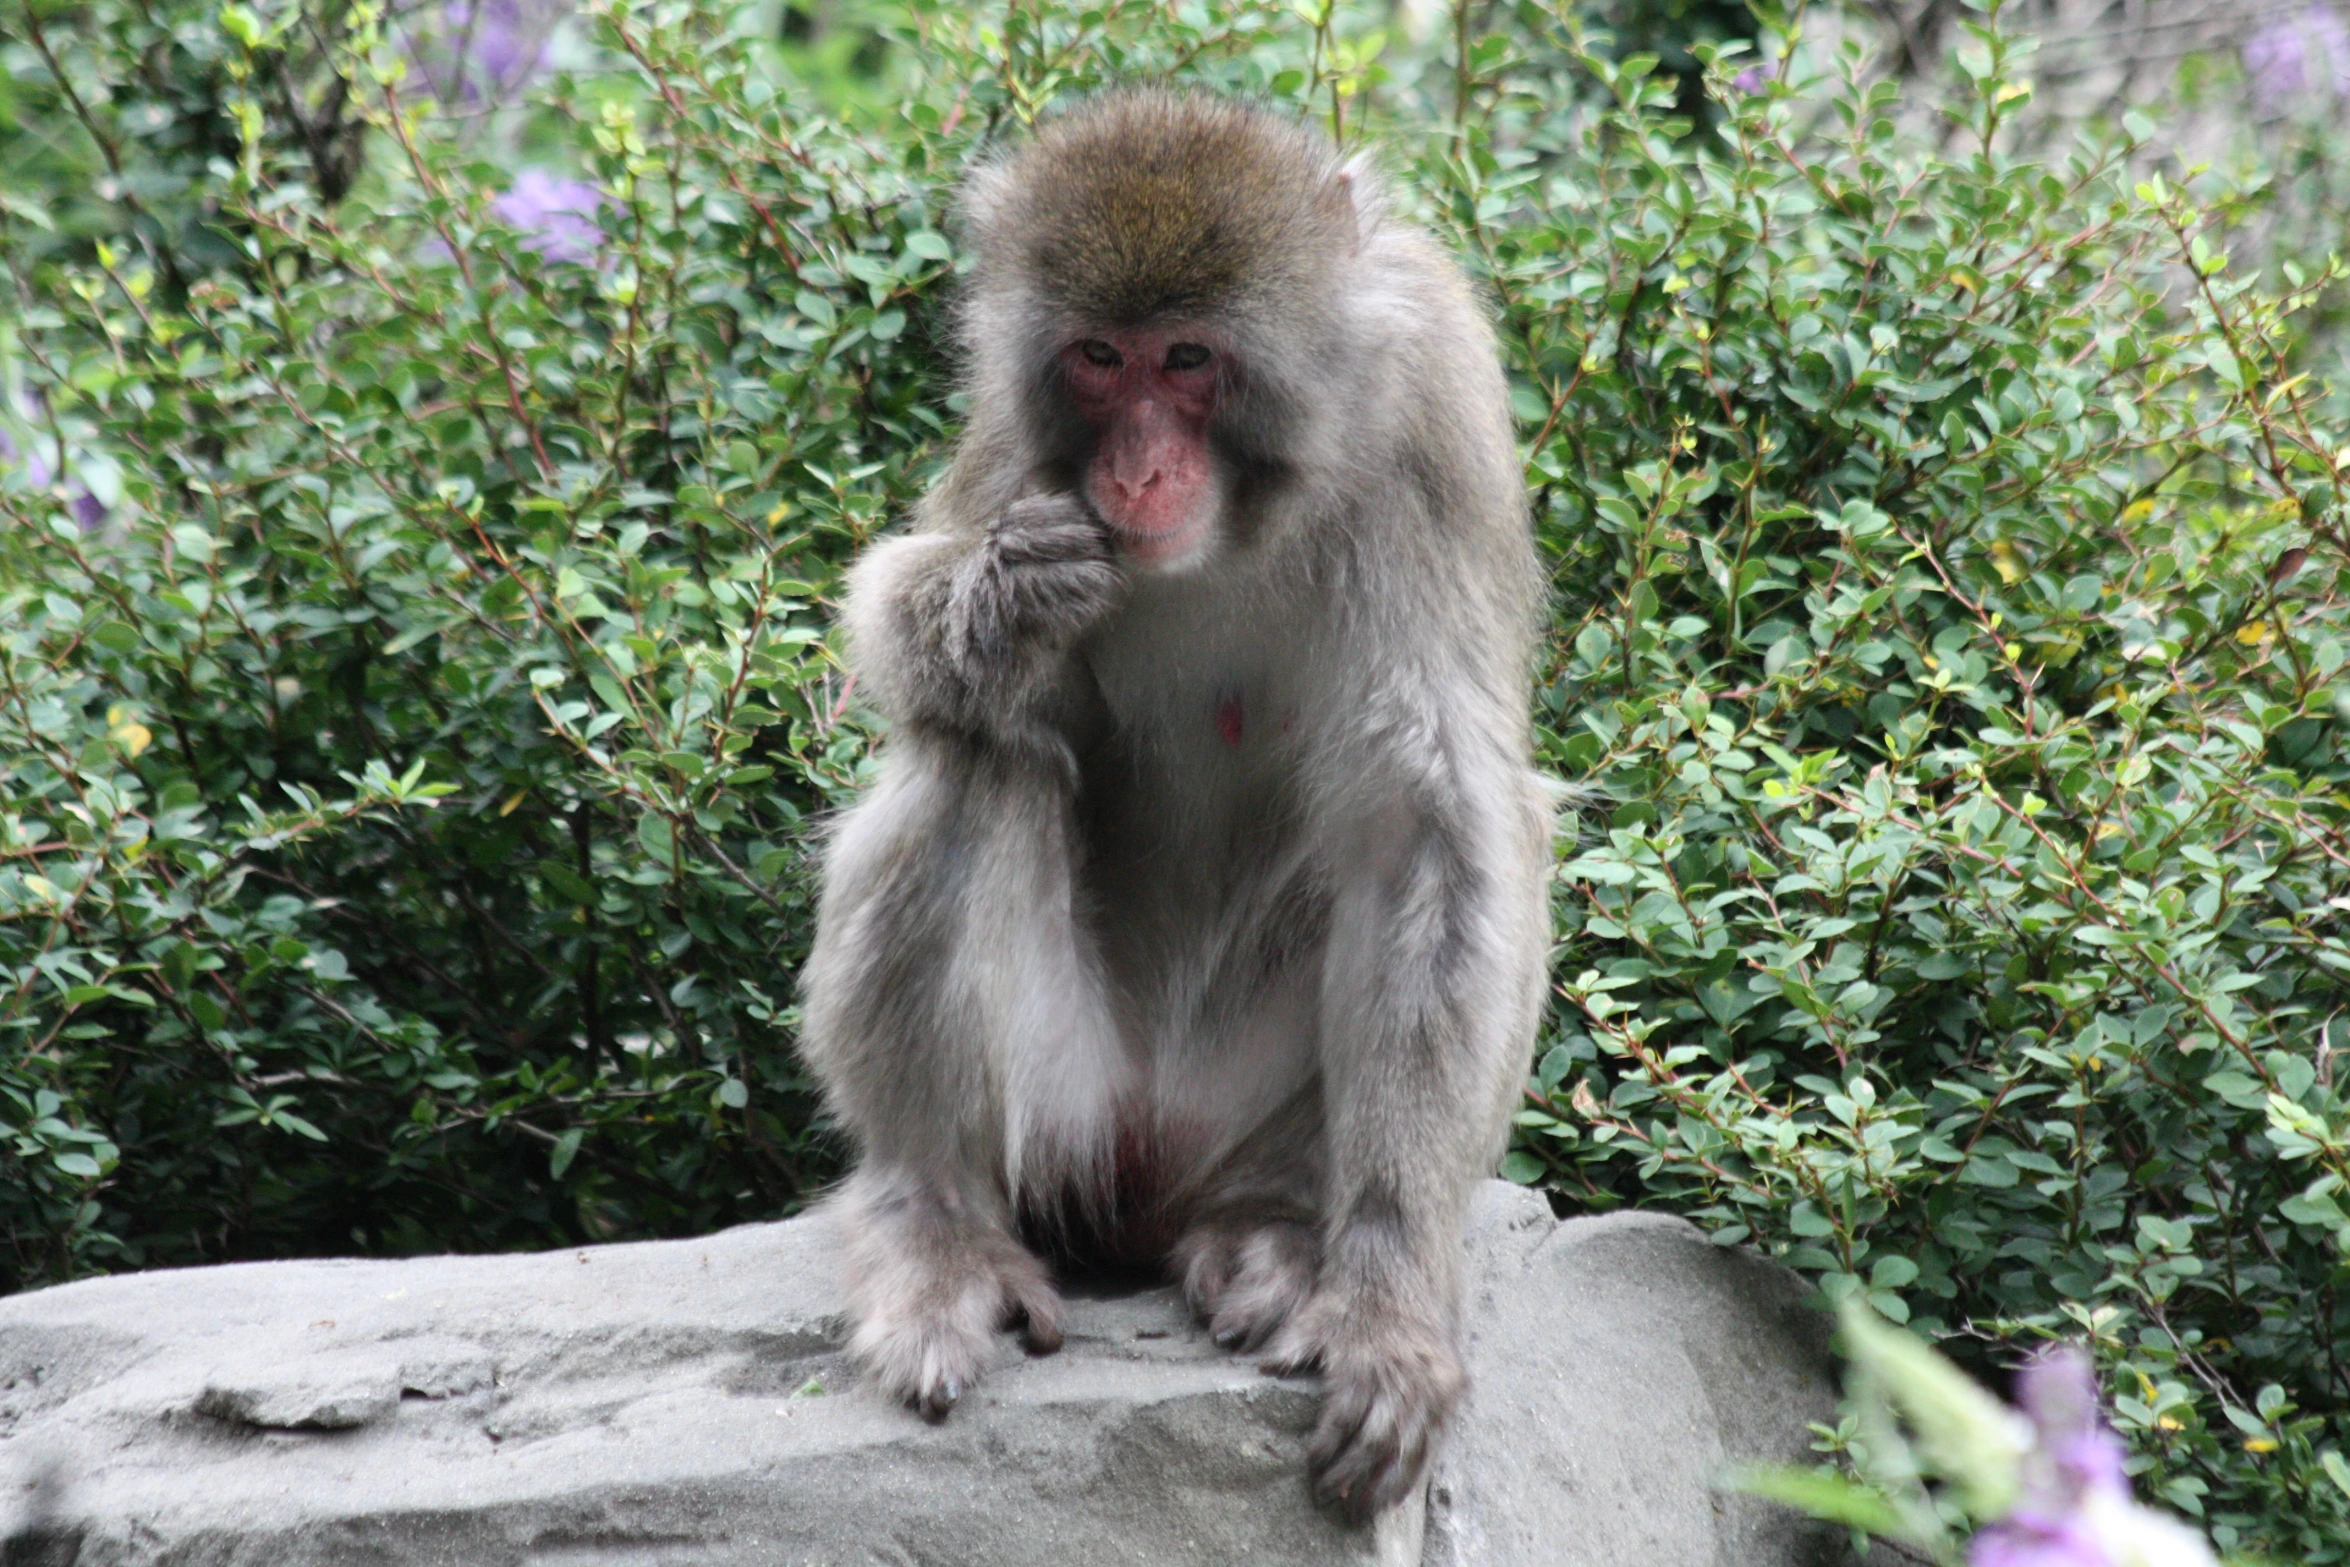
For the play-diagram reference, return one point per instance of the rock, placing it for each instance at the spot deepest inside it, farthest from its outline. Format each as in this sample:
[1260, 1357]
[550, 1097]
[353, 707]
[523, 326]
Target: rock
[682, 1402]
[329, 1392]
[1618, 1368]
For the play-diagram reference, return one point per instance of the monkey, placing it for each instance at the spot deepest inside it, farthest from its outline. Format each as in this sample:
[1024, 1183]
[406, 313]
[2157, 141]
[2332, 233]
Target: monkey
[1196, 916]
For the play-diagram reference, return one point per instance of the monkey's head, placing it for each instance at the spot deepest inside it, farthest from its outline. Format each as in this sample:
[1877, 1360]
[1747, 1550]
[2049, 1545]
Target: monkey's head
[1156, 299]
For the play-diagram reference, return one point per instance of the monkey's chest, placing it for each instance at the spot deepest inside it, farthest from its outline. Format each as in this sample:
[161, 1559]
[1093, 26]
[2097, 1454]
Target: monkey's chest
[1192, 786]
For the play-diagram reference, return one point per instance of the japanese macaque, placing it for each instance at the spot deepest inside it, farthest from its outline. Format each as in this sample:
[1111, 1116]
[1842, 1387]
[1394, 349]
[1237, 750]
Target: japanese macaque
[1197, 915]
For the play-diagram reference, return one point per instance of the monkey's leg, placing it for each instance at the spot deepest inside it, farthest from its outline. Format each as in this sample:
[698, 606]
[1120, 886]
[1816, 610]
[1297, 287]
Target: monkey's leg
[955, 1016]
[930, 1276]
[1429, 997]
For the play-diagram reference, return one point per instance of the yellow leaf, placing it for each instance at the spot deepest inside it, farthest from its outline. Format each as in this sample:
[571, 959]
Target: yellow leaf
[2009, 565]
[2253, 632]
[2260, 1444]
[2137, 511]
[517, 798]
[134, 738]
[2106, 830]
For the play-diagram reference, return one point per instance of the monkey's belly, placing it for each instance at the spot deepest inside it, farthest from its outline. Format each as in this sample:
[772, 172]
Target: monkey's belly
[1209, 1114]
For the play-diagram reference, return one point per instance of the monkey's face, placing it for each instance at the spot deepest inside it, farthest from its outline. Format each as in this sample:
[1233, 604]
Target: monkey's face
[1147, 398]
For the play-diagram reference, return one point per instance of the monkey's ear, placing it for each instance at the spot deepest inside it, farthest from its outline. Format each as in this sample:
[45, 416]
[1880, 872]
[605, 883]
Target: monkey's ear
[1363, 194]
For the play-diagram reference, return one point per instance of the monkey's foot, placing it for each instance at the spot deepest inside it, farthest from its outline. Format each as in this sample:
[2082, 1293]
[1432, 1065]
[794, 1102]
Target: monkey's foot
[1245, 1279]
[1388, 1386]
[926, 1314]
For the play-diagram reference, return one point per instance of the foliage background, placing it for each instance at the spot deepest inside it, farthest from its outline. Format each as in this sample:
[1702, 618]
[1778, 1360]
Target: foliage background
[432, 439]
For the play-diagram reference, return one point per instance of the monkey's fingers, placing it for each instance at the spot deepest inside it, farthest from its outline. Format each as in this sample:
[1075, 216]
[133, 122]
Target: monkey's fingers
[1051, 528]
[1063, 544]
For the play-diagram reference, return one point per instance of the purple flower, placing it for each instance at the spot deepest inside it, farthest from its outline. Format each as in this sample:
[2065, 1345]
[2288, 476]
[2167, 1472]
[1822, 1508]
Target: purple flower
[88, 510]
[477, 49]
[2074, 1507]
[1755, 76]
[2298, 56]
[36, 467]
[557, 217]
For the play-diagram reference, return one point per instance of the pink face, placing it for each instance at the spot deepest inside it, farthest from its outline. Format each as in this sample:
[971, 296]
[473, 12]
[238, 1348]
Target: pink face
[1148, 396]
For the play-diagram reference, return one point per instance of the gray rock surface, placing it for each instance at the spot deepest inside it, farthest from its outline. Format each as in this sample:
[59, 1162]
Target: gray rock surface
[682, 1402]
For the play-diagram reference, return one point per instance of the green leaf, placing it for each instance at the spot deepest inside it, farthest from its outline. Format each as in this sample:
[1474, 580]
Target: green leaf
[1823, 1494]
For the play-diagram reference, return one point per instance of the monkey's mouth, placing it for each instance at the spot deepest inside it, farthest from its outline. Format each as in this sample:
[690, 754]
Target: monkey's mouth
[1182, 543]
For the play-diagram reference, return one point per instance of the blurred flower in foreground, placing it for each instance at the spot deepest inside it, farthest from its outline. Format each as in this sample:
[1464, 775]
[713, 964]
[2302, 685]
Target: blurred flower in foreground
[2075, 1508]
[2297, 55]
[557, 217]
[1931, 1452]
[1756, 76]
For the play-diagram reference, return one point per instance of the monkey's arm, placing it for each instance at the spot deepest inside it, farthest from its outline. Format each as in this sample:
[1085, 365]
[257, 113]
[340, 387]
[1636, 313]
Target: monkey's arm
[1438, 843]
[946, 1060]
[966, 633]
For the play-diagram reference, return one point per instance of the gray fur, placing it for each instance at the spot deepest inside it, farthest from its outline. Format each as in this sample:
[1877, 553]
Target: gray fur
[1198, 914]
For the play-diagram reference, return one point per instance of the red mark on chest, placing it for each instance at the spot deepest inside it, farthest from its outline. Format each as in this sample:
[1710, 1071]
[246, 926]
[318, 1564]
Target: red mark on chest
[1228, 718]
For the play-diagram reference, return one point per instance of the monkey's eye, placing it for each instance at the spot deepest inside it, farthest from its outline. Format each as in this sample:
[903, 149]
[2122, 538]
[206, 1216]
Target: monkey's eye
[1098, 352]
[1187, 356]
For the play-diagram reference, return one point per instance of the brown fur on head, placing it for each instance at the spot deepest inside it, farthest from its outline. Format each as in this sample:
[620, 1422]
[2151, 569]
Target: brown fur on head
[1148, 203]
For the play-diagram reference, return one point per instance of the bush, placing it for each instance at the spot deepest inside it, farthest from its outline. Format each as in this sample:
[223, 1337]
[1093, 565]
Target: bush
[416, 696]
[1954, 567]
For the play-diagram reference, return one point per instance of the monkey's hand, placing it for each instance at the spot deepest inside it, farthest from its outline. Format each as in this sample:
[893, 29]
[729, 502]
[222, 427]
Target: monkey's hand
[1389, 1384]
[1044, 573]
[968, 632]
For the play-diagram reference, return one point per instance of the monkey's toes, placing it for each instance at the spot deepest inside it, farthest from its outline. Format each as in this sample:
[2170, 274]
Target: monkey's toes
[1368, 1450]
[924, 1362]
[1387, 1394]
[933, 1403]
[1036, 1315]
[1245, 1282]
